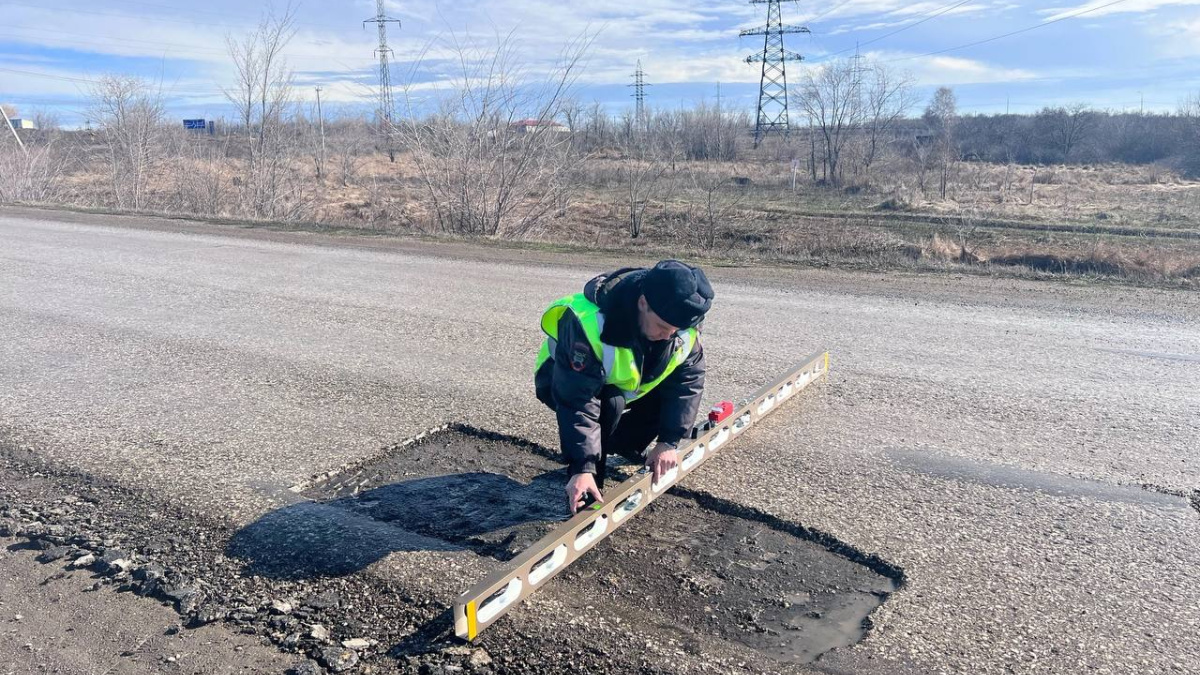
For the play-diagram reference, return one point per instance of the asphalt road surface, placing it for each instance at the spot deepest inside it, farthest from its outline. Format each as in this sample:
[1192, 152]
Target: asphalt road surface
[1009, 444]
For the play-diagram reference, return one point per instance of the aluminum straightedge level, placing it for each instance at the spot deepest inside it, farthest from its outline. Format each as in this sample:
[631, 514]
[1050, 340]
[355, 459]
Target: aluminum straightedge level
[498, 593]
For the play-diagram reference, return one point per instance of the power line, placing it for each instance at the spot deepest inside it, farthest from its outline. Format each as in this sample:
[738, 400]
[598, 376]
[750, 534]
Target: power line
[1015, 32]
[829, 11]
[47, 75]
[937, 12]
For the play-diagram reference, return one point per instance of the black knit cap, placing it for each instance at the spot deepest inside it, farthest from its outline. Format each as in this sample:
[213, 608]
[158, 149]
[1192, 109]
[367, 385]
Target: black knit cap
[679, 294]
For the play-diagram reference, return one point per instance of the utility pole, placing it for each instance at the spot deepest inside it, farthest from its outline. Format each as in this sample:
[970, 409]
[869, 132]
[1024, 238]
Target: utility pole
[639, 96]
[772, 90]
[720, 123]
[321, 122]
[386, 103]
[812, 150]
[13, 130]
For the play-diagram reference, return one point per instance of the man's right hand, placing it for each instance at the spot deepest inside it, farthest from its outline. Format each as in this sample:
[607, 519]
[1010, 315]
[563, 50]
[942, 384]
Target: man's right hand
[580, 485]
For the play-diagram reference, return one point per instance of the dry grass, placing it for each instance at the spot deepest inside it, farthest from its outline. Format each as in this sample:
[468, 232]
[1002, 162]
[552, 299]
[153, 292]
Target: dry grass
[1111, 193]
[988, 223]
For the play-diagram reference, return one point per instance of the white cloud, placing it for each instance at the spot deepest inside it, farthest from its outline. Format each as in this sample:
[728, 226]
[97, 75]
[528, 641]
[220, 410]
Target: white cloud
[952, 70]
[879, 25]
[1095, 8]
[1178, 39]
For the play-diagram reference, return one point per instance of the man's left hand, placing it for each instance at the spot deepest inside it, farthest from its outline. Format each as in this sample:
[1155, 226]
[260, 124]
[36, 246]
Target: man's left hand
[661, 459]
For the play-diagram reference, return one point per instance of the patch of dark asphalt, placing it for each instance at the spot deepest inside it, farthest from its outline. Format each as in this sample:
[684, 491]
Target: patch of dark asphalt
[684, 568]
[741, 577]
[1192, 496]
[787, 591]
[507, 492]
[1012, 478]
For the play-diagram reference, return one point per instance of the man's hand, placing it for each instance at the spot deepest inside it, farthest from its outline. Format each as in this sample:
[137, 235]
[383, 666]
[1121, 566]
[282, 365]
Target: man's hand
[580, 485]
[661, 459]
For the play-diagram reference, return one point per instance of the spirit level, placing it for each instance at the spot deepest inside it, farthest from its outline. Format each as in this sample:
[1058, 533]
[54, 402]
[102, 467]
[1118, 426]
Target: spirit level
[497, 594]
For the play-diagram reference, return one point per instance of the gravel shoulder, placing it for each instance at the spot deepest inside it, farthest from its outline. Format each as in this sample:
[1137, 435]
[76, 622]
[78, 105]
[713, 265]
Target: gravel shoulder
[65, 627]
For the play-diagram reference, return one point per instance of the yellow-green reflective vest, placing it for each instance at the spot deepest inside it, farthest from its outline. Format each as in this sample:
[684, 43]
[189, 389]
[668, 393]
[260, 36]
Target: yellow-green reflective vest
[620, 367]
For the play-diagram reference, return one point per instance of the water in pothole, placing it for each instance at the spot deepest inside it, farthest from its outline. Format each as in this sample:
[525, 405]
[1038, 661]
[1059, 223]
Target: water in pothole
[679, 568]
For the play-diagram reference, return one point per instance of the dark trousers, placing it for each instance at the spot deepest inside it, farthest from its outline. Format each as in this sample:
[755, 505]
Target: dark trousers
[626, 430]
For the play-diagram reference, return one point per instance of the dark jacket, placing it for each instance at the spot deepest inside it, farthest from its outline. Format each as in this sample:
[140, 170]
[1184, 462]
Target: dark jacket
[571, 381]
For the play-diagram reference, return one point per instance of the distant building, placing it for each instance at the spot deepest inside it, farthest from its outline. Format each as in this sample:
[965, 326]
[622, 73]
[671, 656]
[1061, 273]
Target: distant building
[19, 123]
[531, 125]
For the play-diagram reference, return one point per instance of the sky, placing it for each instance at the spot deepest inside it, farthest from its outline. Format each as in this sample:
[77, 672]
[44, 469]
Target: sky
[997, 55]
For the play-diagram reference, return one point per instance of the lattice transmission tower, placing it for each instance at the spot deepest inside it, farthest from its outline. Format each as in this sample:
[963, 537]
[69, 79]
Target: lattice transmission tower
[639, 96]
[772, 91]
[387, 106]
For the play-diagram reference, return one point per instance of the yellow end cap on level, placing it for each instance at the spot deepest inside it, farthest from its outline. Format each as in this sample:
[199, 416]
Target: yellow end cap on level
[472, 622]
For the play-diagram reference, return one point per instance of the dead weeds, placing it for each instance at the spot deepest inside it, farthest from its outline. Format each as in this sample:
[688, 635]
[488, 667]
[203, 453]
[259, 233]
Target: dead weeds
[1106, 221]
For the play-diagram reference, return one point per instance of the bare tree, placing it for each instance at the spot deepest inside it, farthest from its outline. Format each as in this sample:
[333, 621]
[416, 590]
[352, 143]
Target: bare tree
[718, 198]
[644, 175]
[854, 111]
[350, 145]
[574, 114]
[1189, 110]
[263, 98]
[1065, 128]
[830, 95]
[1190, 107]
[47, 126]
[708, 133]
[129, 112]
[245, 54]
[493, 156]
[598, 128]
[628, 124]
[666, 131]
[887, 99]
[941, 116]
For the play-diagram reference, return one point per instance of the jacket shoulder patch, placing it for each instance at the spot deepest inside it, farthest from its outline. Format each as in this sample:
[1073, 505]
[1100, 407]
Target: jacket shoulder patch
[580, 351]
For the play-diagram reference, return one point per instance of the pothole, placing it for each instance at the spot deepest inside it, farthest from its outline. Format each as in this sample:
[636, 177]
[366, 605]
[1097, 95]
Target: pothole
[689, 566]
[482, 491]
